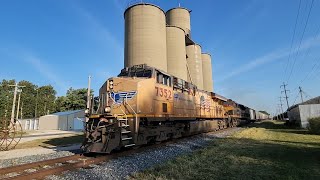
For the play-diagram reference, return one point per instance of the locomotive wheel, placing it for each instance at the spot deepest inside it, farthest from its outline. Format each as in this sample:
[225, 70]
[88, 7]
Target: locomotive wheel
[10, 134]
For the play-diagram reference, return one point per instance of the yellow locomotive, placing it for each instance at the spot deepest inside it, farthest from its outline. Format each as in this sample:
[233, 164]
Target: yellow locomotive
[144, 105]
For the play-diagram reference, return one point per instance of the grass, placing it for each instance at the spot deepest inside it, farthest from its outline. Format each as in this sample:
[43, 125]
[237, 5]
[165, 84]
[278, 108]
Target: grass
[266, 150]
[314, 125]
[59, 141]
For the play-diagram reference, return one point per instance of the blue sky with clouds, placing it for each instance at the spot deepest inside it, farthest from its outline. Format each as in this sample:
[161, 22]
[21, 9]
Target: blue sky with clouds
[62, 42]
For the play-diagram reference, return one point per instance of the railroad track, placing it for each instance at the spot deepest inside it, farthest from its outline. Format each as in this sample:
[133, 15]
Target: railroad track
[41, 169]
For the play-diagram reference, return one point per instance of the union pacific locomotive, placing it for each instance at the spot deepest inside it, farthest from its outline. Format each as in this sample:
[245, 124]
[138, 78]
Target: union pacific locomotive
[146, 105]
[165, 90]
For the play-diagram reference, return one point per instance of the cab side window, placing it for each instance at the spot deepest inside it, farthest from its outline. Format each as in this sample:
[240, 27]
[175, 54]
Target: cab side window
[163, 79]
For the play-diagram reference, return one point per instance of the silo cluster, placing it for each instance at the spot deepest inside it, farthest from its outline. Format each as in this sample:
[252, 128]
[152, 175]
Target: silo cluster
[163, 40]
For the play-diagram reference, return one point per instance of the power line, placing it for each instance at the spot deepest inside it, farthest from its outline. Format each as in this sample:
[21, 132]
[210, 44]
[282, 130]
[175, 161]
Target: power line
[316, 61]
[294, 34]
[295, 99]
[304, 30]
[310, 72]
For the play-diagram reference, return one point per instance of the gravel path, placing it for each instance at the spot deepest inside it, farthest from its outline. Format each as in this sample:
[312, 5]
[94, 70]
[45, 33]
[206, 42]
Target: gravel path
[121, 168]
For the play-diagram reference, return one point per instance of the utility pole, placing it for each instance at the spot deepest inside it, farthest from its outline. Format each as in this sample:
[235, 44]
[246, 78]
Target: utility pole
[281, 106]
[89, 94]
[300, 91]
[285, 92]
[19, 97]
[21, 111]
[14, 100]
[36, 109]
[280, 112]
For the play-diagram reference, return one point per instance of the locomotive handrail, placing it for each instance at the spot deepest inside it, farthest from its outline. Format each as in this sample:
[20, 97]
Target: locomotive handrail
[135, 114]
[126, 101]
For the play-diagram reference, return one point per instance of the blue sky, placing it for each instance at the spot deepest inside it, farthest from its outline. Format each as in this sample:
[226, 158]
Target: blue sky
[62, 42]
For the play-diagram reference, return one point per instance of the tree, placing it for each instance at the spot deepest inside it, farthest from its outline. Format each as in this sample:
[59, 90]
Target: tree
[6, 95]
[35, 101]
[59, 104]
[76, 99]
[28, 99]
[46, 98]
[38, 101]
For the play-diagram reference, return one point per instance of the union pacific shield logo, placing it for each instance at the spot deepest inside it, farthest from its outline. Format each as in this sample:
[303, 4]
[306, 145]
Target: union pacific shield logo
[119, 97]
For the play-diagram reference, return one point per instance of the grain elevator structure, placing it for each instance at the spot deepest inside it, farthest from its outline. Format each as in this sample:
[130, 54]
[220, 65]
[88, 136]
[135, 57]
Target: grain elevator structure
[163, 40]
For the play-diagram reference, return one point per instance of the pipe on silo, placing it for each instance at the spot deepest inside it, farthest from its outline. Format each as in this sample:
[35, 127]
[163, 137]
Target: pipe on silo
[145, 36]
[207, 72]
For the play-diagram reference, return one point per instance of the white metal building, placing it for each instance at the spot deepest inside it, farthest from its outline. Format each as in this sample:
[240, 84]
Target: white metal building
[29, 124]
[68, 120]
[300, 113]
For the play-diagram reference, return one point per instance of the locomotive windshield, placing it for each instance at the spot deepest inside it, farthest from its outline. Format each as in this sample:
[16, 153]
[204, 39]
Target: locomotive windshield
[133, 72]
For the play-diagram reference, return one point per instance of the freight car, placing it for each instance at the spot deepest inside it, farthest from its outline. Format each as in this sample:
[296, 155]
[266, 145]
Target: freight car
[144, 105]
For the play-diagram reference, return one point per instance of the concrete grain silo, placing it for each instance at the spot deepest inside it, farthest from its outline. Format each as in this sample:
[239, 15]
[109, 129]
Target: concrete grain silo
[176, 52]
[194, 63]
[179, 17]
[145, 36]
[207, 72]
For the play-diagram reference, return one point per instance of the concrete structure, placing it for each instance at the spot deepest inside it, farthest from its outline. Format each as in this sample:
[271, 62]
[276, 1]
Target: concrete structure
[68, 120]
[207, 72]
[145, 36]
[176, 53]
[300, 113]
[194, 63]
[179, 17]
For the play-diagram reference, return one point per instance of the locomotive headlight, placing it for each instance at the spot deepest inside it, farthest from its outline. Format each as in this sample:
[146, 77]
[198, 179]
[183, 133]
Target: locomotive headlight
[111, 84]
[111, 121]
[107, 109]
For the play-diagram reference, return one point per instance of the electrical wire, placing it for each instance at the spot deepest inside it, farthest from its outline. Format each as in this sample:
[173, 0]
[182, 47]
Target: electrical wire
[294, 34]
[298, 51]
[295, 100]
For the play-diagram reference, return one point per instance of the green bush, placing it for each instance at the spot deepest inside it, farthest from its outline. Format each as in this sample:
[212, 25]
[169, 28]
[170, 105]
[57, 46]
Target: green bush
[314, 125]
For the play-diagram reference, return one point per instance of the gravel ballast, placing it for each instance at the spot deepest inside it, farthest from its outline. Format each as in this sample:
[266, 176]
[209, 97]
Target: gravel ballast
[123, 167]
[33, 158]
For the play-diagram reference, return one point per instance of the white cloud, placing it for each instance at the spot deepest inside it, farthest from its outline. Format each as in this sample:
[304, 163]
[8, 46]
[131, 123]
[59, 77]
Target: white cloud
[45, 70]
[37, 63]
